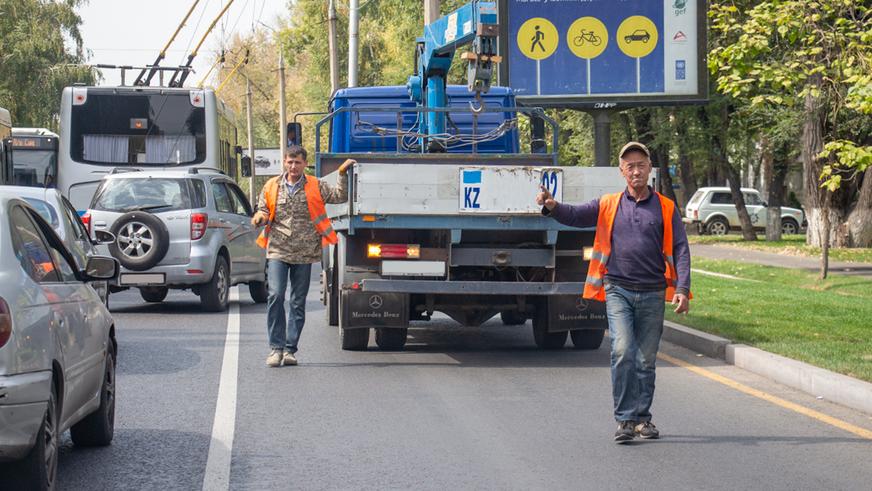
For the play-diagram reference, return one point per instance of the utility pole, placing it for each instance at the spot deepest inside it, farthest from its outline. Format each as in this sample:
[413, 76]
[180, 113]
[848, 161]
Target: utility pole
[251, 189]
[331, 41]
[353, 23]
[283, 117]
[431, 11]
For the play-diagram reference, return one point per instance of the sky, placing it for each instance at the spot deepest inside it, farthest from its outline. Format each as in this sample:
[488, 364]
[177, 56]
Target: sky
[132, 32]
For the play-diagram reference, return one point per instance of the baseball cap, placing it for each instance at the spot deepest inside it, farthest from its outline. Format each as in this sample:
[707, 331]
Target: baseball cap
[634, 146]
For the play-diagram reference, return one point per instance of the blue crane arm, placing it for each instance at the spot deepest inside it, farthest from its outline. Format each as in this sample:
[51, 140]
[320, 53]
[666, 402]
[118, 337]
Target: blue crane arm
[475, 23]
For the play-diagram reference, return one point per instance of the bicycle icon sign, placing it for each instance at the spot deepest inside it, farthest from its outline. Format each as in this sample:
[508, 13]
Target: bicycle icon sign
[587, 36]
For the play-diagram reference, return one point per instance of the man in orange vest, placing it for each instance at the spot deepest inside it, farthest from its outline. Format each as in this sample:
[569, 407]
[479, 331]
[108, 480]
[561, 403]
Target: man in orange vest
[640, 259]
[292, 208]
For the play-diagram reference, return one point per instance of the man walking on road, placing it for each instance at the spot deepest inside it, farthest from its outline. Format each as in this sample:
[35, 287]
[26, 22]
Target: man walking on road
[640, 257]
[292, 207]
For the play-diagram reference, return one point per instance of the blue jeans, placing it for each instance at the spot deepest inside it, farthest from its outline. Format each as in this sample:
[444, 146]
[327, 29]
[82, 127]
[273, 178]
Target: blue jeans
[285, 333]
[635, 327]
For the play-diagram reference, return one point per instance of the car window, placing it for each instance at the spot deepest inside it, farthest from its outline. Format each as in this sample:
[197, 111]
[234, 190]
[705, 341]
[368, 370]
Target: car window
[697, 196]
[75, 221]
[240, 202]
[222, 198]
[45, 209]
[199, 197]
[30, 248]
[752, 199]
[153, 194]
[722, 199]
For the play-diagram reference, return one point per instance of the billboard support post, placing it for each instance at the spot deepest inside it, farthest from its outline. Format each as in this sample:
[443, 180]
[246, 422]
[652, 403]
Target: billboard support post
[602, 137]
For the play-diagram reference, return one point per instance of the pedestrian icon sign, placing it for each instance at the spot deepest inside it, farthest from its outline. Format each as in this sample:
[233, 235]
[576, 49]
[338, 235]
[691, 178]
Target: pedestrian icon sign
[637, 36]
[587, 37]
[538, 38]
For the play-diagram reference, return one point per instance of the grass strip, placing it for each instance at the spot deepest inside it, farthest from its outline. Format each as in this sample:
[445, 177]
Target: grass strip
[790, 245]
[789, 312]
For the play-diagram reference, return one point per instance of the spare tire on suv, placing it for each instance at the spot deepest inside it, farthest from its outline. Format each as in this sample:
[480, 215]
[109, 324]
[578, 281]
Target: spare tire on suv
[142, 240]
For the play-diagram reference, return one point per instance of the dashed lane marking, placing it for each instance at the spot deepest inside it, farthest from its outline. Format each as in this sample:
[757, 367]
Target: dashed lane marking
[811, 413]
[217, 475]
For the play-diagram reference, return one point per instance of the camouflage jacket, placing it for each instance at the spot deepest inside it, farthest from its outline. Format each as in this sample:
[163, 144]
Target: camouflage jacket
[293, 238]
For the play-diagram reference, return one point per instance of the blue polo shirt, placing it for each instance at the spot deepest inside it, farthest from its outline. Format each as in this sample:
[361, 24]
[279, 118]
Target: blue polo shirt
[636, 261]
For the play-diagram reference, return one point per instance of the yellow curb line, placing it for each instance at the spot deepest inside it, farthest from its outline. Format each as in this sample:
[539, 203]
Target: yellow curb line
[811, 413]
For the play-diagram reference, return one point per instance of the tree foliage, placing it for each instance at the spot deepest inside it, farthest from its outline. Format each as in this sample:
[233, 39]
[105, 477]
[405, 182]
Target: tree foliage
[40, 49]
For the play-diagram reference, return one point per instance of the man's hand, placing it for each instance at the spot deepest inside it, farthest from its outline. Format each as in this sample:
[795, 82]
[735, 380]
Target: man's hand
[343, 169]
[545, 199]
[682, 301]
[259, 219]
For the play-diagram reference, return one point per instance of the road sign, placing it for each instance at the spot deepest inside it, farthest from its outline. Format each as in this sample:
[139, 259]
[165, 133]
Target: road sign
[604, 53]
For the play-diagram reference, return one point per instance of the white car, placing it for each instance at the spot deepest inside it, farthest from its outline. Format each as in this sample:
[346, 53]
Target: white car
[711, 209]
[57, 348]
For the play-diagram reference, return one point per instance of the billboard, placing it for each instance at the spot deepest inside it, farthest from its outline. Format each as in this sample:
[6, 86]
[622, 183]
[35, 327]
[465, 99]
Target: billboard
[267, 161]
[604, 53]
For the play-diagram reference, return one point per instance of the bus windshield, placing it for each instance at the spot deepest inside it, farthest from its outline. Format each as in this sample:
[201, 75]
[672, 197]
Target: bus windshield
[34, 167]
[137, 129]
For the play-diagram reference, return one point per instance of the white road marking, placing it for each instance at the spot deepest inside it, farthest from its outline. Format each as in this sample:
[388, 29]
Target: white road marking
[217, 475]
[722, 275]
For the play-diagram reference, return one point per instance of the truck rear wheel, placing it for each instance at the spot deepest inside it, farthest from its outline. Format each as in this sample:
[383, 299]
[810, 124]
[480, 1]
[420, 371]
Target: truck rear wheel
[543, 338]
[391, 339]
[354, 339]
[587, 339]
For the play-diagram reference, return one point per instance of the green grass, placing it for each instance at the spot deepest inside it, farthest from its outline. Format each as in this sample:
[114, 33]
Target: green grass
[789, 312]
[791, 245]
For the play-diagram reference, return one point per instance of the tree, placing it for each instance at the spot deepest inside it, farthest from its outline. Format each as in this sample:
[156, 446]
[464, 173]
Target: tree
[812, 57]
[35, 64]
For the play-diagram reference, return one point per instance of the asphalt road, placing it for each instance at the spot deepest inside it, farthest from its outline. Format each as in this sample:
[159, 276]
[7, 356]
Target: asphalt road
[459, 409]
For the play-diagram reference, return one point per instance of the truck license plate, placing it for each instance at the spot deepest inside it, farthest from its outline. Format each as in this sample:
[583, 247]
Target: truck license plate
[507, 189]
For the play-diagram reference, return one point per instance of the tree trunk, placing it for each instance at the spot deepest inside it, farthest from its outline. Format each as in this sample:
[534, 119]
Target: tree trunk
[719, 149]
[685, 169]
[860, 218]
[774, 174]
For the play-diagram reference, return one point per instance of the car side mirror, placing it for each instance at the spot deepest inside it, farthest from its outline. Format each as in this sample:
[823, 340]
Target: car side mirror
[101, 268]
[246, 166]
[104, 238]
[295, 133]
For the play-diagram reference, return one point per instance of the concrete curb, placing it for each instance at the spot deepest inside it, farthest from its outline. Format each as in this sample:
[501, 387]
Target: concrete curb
[834, 387]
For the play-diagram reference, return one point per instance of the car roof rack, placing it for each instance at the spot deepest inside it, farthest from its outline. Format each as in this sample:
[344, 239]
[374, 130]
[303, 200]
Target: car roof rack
[196, 170]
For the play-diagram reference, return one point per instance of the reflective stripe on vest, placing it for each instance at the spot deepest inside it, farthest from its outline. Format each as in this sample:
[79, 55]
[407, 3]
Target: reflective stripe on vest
[315, 203]
[594, 287]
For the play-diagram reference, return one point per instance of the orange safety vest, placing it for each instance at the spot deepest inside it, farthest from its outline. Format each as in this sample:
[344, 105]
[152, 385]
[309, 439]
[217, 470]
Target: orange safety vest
[594, 288]
[316, 210]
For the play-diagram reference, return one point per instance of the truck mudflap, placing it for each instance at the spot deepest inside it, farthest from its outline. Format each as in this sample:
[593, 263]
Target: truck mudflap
[571, 312]
[472, 287]
[367, 309]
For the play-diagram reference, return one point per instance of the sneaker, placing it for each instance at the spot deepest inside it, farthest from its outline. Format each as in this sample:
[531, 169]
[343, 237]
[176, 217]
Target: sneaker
[289, 359]
[647, 431]
[275, 358]
[625, 431]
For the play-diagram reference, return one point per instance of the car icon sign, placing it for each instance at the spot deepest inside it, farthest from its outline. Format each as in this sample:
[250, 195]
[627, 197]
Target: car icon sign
[638, 35]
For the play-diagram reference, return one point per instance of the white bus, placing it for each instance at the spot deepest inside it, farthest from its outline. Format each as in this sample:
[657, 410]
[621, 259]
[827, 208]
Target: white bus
[34, 157]
[5, 141]
[106, 128]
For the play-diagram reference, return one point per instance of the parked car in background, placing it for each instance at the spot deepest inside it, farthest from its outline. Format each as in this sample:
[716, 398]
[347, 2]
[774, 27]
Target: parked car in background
[57, 348]
[60, 214]
[712, 211]
[180, 229]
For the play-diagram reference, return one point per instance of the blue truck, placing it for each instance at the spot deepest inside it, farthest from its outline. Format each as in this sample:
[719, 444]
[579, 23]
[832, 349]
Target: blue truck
[441, 215]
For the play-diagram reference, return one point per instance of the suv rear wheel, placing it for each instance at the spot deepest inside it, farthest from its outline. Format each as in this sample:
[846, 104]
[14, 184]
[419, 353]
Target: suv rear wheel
[717, 226]
[213, 295]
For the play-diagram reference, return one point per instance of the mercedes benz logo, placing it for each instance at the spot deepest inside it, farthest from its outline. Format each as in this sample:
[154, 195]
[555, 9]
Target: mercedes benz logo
[375, 301]
[581, 304]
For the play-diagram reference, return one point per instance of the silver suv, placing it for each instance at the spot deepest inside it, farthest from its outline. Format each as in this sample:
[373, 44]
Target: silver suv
[180, 230]
[712, 210]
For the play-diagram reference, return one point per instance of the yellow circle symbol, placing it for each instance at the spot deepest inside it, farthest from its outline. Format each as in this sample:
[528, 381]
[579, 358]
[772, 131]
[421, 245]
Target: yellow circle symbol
[587, 37]
[538, 38]
[637, 36]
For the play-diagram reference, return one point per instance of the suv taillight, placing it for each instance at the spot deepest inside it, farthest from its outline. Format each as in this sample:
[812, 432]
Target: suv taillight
[5, 323]
[198, 225]
[86, 221]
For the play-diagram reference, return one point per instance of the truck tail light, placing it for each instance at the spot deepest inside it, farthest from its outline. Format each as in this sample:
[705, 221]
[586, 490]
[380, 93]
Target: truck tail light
[393, 251]
[86, 221]
[198, 225]
[696, 214]
[5, 322]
